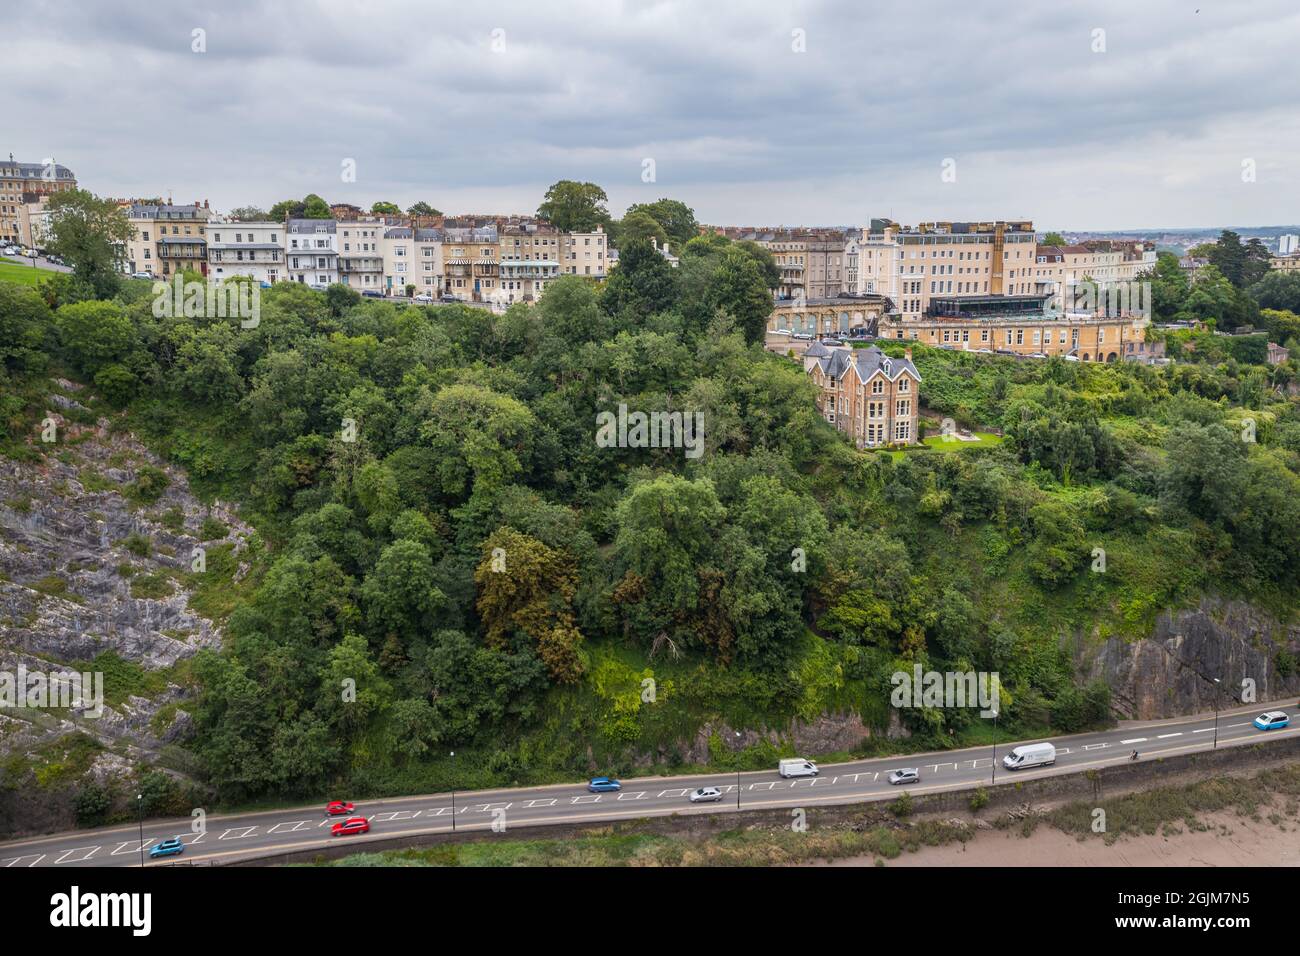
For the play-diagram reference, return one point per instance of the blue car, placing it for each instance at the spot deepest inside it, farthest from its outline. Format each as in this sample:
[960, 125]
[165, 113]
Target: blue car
[1272, 720]
[170, 847]
[604, 785]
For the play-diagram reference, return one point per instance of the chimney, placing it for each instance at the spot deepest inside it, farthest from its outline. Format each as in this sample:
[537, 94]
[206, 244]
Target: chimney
[907, 353]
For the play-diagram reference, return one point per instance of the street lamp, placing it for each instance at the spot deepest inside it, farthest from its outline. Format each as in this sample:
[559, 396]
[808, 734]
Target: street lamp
[453, 791]
[995, 748]
[139, 803]
[1217, 684]
[737, 776]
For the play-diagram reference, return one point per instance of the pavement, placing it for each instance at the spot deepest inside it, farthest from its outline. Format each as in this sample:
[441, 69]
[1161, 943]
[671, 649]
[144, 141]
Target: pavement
[229, 837]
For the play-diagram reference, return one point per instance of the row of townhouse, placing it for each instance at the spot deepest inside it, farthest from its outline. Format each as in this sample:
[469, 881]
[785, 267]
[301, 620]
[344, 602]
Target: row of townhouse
[25, 189]
[496, 262]
[911, 264]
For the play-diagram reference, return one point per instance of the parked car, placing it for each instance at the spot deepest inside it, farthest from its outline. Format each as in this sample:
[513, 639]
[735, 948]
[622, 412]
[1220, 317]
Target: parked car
[338, 808]
[604, 785]
[706, 795]
[141, 275]
[169, 847]
[802, 336]
[1030, 755]
[424, 297]
[831, 340]
[904, 775]
[1273, 720]
[350, 827]
[797, 767]
[446, 297]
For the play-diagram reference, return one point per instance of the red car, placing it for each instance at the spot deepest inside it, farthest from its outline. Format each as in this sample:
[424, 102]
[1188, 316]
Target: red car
[337, 808]
[351, 826]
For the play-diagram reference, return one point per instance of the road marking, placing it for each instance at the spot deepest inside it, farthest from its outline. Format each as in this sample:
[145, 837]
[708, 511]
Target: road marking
[135, 845]
[242, 831]
[674, 793]
[35, 859]
[639, 795]
[1165, 736]
[1203, 730]
[593, 798]
[294, 827]
[81, 849]
[532, 804]
[1134, 740]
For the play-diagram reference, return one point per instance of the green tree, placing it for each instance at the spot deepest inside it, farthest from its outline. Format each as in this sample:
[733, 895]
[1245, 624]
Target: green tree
[91, 235]
[575, 207]
[422, 208]
[675, 218]
[386, 209]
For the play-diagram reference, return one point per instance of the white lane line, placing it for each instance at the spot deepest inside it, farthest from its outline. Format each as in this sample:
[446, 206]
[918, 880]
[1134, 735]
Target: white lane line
[593, 798]
[1165, 736]
[294, 826]
[1095, 746]
[26, 856]
[673, 793]
[81, 849]
[639, 795]
[531, 804]
[1203, 730]
[770, 785]
[242, 831]
[135, 845]
[1134, 740]
[396, 815]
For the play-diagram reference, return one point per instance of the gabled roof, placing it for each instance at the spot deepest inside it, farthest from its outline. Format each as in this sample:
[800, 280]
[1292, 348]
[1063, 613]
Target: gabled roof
[868, 362]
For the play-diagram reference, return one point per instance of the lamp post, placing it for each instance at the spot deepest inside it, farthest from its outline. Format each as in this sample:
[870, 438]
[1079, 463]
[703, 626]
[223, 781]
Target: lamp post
[995, 748]
[737, 776]
[1217, 685]
[453, 791]
[139, 804]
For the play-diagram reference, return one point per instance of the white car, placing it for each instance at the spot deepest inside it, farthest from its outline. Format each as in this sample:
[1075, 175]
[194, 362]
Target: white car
[424, 297]
[905, 775]
[706, 795]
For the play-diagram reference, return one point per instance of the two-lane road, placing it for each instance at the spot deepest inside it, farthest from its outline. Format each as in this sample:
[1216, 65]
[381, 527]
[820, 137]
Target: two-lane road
[229, 837]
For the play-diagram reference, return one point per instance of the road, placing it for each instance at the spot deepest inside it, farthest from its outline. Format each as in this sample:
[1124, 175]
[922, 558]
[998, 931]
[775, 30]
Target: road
[241, 835]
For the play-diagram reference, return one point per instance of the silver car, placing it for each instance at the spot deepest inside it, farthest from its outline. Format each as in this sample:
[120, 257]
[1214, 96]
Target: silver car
[905, 775]
[706, 795]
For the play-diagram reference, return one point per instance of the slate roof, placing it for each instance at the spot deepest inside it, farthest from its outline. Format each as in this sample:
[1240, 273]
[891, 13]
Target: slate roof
[868, 361]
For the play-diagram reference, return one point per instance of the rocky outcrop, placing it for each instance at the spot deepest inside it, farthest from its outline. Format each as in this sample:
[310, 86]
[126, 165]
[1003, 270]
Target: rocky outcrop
[88, 567]
[1172, 672]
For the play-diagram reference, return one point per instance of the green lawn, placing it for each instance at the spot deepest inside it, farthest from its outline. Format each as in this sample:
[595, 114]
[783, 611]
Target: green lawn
[942, 443]
[12, 271]
[939, 443]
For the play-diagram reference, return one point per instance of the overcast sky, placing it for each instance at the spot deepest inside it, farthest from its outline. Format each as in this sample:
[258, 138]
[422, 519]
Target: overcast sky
[753, 112]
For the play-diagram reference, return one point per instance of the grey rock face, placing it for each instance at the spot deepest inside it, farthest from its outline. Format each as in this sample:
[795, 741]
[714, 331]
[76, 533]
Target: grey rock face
[1172, 672]
[65, 526]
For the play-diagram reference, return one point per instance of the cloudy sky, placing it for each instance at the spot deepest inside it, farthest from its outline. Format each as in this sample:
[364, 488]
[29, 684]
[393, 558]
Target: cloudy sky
[1097, 115]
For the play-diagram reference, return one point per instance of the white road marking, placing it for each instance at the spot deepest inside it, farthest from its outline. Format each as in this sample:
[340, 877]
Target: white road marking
[593, 798]
[530, 804]
[1134, 740]
[32, 856]
[1203, 730]
[673, 793]
[293, 827]
[81, 849]
[242, 831]
[1164, 736]
[135, 846]
[639, 795]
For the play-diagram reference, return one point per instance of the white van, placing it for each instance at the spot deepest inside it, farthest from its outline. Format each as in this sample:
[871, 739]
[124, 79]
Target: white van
[1030, 755]
[797, 767]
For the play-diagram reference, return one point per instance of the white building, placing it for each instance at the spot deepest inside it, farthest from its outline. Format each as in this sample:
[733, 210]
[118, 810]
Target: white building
[254, 249]
[312, 251]
[1288, 245]
[361, 254]
[585, 254]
